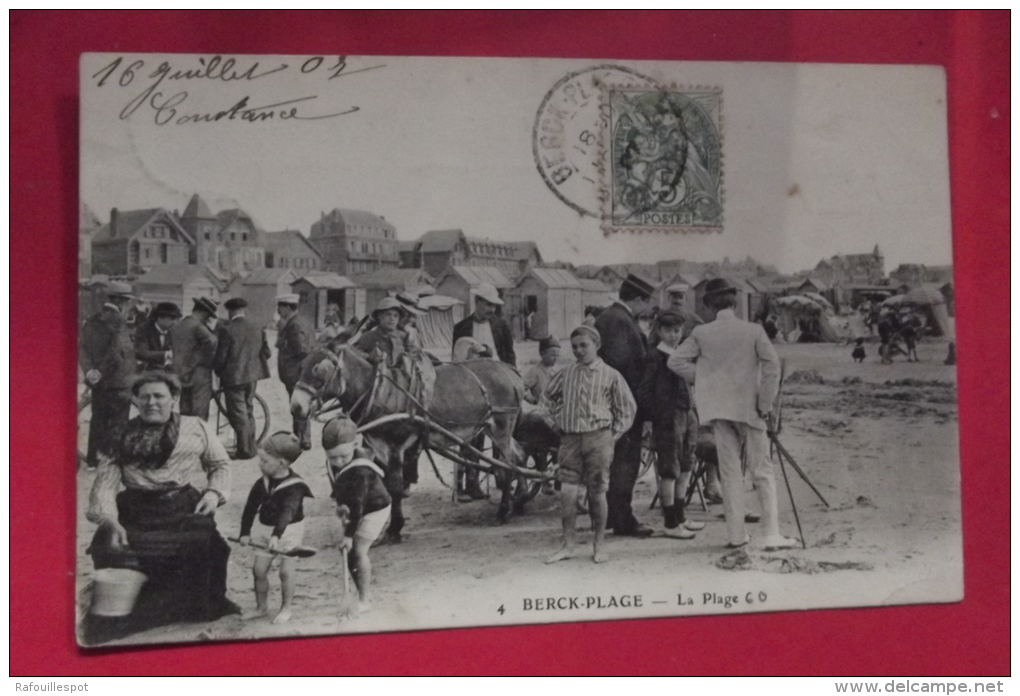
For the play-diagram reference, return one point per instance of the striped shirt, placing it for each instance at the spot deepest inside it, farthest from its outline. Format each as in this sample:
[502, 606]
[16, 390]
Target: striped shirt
[584, 398]
[198, 453]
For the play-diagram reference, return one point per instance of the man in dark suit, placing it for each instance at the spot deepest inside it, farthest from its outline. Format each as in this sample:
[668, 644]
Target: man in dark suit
[294, 342]
[152, 339]
[242, 359]
[194, 347]
[486, 327]
[623, 349]
[108, 359]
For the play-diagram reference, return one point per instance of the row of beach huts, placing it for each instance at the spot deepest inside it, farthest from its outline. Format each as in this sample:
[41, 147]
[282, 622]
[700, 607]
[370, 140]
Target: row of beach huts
[541, 302]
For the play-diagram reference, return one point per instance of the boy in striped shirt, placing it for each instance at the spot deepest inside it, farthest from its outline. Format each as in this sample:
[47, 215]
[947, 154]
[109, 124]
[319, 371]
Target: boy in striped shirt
[593, 407]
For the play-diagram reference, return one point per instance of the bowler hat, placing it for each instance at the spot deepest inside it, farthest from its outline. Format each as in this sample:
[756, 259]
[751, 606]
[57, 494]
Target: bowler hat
[235, 303]
[644, 288]
[719, 286]
[166, 309]
[117, 289]
[671, 318]
[206, 305]
[487, 292]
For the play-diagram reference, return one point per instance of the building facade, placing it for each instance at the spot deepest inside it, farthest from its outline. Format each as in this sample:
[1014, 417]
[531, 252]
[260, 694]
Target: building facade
[136, 240]
[355, 241]
[440, 250]
[847, 269]
[291, 249]
[227, 241]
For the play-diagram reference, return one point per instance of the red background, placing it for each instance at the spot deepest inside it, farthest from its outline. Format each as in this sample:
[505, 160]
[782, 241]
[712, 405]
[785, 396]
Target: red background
[967, 638]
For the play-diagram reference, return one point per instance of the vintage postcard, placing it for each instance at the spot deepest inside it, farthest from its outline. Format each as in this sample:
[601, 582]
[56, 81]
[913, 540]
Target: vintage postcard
[392, 343]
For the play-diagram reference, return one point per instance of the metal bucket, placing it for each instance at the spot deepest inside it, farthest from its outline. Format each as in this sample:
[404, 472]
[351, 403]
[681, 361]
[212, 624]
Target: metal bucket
[115, 591]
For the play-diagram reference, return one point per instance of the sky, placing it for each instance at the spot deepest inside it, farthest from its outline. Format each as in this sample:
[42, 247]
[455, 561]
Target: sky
[818, 160]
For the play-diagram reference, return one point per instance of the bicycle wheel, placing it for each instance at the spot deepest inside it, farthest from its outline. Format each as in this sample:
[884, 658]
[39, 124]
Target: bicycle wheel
[262, 418]
[218, 420]
[84, 423]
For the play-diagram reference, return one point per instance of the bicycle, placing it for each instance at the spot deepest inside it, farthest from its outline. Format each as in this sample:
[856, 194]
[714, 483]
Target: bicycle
[217, 418]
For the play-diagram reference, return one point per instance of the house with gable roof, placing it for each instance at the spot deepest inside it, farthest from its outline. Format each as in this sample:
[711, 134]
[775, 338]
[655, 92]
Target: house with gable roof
[227, 241]
[291, 249]
[133, 241]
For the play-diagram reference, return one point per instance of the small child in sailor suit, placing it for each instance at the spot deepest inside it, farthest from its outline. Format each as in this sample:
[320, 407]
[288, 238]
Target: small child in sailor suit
[277, 498]
[858, 353]
[362, 501]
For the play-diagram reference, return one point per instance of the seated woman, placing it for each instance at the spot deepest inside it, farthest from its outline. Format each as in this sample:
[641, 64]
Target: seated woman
[153, 520]
[386, 335]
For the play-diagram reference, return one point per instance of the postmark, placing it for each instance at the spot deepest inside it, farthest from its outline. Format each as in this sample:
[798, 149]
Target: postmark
[566, 135]
[662, 159]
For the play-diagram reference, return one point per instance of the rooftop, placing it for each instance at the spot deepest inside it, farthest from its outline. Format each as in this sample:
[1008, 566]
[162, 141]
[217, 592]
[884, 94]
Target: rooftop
[553, 278]
[477, 275]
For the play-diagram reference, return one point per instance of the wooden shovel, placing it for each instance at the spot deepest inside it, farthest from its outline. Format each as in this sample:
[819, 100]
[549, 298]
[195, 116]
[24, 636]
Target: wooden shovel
[296, 552]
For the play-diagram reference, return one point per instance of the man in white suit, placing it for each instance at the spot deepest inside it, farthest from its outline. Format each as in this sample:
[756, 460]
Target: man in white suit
[735, 372]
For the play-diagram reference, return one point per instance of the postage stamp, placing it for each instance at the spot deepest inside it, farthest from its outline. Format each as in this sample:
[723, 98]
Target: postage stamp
[565, 137]
[662, 159]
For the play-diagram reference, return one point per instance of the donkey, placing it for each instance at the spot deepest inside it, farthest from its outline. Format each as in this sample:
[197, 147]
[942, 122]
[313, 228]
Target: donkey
[469, 398]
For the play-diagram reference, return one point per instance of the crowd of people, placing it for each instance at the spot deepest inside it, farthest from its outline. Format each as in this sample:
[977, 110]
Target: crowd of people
[721, 375]
[149, 514]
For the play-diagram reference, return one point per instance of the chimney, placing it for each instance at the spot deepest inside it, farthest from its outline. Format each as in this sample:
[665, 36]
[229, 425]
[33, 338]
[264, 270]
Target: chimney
[113, 223]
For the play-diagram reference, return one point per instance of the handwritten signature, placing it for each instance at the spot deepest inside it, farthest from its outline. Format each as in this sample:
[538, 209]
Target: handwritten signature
[170, 109]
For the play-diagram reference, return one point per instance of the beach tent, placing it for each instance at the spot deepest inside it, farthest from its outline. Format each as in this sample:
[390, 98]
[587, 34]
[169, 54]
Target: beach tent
[792, 309]
[435, 324]
[930, 304]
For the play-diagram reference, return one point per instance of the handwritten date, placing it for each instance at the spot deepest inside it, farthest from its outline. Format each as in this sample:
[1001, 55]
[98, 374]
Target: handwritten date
[173, 109]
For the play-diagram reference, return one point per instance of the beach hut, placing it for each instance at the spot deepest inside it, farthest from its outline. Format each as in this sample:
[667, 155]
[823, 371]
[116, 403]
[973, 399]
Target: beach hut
[261, 288]
[459, 281]
[595, 293]
[321, 289]
[545, 302]
[387, 282]
[180, 284]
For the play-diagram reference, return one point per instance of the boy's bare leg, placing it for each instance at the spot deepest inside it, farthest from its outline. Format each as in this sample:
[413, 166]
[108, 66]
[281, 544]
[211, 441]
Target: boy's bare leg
[599, 511]
[568, 516]
[286, 589]
[260, 571]
[363, 573]
[682, 483]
